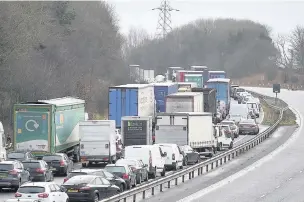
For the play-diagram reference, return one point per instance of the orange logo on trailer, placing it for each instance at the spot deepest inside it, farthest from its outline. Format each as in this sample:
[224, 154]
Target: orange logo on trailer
[61, 118]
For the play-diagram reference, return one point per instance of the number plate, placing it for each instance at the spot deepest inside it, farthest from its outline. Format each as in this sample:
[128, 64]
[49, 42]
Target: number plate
[72, 190]
[3, 175]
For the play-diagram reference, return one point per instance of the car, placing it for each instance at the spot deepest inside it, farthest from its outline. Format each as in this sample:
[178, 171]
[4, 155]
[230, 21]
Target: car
[89, 188]
[13, 174]
[174, 158]
[235, 117]
[234, 128]
[248, 126]
[190, 156]
[45, 191]
[39, 170]
[20, 155]
[228, 130]
[61, 163]
[138, 167]
[114, 179]
[123, 171]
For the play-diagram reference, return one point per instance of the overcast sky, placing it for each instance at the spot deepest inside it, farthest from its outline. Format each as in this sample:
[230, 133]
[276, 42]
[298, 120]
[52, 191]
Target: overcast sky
[281, 16]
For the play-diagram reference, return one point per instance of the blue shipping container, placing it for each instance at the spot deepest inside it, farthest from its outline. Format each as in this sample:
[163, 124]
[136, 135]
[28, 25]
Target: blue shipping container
[130, 100]
[217, 74]
[161, 90]
[222, 87]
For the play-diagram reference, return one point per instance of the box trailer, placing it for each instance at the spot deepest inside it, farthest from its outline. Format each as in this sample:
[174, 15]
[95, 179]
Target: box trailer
[137, 130]
[161, 90]
[131, 100]
[49, 126]
[217, 74]
[209, 98]
[181, 74]
[192, 128]
[185, 102]
[197, 78]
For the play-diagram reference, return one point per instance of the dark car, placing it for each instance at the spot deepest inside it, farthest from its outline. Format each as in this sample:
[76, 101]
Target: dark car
[89, 188]
[190, 156]
[248, 126]
[13, 174]
[123, 171]
[138, 167]
[102, 173]
[20, 155]
[39, 170]
[60, 163]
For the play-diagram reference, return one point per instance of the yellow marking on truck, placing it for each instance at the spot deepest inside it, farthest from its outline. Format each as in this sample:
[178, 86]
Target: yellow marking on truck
[19, 130]
[61, 118]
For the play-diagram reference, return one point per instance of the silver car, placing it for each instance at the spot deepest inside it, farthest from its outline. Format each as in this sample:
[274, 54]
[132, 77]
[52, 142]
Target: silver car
[248, 126]
[234, 128]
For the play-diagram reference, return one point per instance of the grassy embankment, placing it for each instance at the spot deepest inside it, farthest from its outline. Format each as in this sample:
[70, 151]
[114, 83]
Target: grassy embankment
[271, 115]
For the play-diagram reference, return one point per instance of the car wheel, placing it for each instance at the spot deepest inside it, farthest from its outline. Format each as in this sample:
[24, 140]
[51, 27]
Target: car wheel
[19, 184]
[181, 167]
[51, 177]
[135, 183]
[186, 161]
[84, 165]
[175, 167]
[121, 187]
[231, 145]
[147, 177]
[96, 198]
[153, 175]
[138, 180]
[163, 173]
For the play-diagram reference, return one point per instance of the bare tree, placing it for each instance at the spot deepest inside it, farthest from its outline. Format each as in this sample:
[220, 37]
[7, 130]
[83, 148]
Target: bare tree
[285, 57]
[297, 46]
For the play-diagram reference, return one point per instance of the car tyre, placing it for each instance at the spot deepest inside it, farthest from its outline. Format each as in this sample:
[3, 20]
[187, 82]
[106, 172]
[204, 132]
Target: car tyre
[96, 198]
[163, 173]
[52, 177]
[138, 180]
[231, 145]
[219, 147]
[185, 162]
[147, 177]
[121, 187]
[19, 184]
[135, 183]
[84, 165]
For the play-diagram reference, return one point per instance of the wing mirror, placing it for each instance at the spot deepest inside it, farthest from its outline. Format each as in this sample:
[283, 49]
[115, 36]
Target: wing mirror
[165, 154]
[63, 189]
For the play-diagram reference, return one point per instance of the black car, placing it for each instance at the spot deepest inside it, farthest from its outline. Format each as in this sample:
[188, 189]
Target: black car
[138, 167]
[12, 174]
[102, 173]
[190, 156]
[20, 155]
[123, 171]
[60, 163]
[39, 170]
[89, 188]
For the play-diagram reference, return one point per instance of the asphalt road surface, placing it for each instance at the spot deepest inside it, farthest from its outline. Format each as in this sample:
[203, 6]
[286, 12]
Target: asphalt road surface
[277, 176]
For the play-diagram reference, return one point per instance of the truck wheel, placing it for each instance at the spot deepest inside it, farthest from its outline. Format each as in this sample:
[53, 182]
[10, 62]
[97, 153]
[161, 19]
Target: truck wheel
[84, 165]
[163, 173]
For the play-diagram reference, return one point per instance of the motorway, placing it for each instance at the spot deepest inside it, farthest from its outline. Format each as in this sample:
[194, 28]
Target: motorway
[271, 172]
[6, 194]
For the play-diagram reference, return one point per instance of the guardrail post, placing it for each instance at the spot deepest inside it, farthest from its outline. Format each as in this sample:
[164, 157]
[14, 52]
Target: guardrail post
[161, 188]
[189, 175]
[144, 195]
[169, 184]
[134, 198]
[233, 155]
[212, 166]
[207, 168]
[192, 174]
[221, 161]
[229, 157]
[198, 171]
[152, 191]
[216, 164]
[176, 181]
[125, 199]
[183, 178]
[225, 159]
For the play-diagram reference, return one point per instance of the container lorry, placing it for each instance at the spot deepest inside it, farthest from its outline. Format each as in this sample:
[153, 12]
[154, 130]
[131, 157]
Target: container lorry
[171, 73]
[187, 128]
[49, 126]
[209, 99]
[161, 90]
[181, 74]
[197, 78]
[217, 74]
[97, 142]
[222, 87]
[185, 102]
[137, 130]
[131, 100]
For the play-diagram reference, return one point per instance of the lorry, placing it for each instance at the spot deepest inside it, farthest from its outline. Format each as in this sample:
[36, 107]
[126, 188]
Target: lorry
[181, 74]
[209, 99]
[222, 86]
[131, 100]
[197, 78]
[161, 90]
[185, 102]
[3, 145]
[171, 73]
[49, 126]
[198, 68]
[97, 142]
[137, 130]
[217, 74]
[187, 128]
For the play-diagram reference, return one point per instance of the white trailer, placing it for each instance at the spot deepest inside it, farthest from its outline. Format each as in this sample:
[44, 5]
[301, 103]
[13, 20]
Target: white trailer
[187, 128]
[136, 130]
[185, 102]
[97, 141]
[3, 146]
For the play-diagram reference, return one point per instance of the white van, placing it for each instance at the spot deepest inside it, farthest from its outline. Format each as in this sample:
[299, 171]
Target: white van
[253, 106]
[239, 109]
[224, 140]
[174, 158]
[151, 155]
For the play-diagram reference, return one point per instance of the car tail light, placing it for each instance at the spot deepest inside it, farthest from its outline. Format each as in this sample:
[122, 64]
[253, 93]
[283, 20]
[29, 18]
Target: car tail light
[65, 179]
[40, 170]
[85, 188]
[105, 159]
[125, 176]
[82, 146]
[173, 156]
[18, 194]
[13, 172]
[62, 163]
[43, 195]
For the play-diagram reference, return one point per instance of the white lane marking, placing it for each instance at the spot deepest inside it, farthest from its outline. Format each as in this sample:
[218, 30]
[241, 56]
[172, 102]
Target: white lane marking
[250, 168]
[290, 179]
[263, 195]
[278, 187]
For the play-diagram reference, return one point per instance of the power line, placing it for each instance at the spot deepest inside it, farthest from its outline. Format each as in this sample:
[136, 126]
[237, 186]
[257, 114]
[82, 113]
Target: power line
[164, 19]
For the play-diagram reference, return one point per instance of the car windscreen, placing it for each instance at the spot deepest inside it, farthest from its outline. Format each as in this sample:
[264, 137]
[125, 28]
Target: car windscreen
[82, 179]
[72, 174]
[6, 167]
[115, 169]
[31, 164]
[31, 189]
[16, 155]
[52, 158]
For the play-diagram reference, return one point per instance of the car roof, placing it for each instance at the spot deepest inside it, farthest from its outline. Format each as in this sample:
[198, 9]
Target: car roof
[32, 160]
[114, 165]
[7, 162]
[85, 176]
[55, 154]
[27, 184]
[86, 170]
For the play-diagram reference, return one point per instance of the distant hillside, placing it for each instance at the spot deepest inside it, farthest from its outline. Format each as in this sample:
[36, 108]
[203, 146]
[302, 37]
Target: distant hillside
[240, 47]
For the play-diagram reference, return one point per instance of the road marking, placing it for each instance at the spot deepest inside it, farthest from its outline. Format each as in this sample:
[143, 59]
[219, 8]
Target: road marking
[290, 179]
[263, 196]
[250, 168]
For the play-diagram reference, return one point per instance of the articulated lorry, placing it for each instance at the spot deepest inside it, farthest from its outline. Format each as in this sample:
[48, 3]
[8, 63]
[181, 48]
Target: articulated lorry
[187, 128]
[185, 102]
[49, 126]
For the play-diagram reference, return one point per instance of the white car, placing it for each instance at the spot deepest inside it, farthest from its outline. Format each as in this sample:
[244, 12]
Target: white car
[223, 139]
[234, 128]
[235, 117]
[45, 191]
[174, 158]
